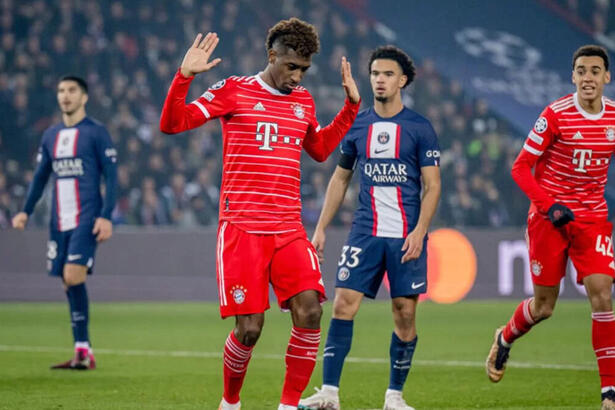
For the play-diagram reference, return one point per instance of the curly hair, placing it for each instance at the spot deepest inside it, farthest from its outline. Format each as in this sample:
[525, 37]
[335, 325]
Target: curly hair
[395, 54]
[296, 34]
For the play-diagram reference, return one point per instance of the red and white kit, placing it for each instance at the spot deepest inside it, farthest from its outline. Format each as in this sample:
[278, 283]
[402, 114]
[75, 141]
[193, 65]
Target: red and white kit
[570, 151]
[264, 132]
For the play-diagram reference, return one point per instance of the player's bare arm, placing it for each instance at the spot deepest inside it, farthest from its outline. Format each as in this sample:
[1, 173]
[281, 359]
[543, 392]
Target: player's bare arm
[350, 87]
[413, 244]
[336, 191]
[20, 220]
[196, 59]
[103, 229]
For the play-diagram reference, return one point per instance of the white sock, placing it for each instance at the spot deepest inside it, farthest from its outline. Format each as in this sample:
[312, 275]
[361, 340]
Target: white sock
[286, 407]
[330, 389]
[225, 405]
[82, 345]
[394, 392]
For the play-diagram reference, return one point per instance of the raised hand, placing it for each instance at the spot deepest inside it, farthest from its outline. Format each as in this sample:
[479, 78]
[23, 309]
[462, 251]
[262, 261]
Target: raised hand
[197, 57]
[350, 87]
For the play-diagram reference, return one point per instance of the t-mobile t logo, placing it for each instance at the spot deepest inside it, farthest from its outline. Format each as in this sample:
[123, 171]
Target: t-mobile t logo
[268, 133]
[582, 158]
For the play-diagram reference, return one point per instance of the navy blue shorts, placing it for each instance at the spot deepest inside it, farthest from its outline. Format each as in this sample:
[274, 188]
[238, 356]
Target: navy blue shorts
[365, 258]
[76, 246]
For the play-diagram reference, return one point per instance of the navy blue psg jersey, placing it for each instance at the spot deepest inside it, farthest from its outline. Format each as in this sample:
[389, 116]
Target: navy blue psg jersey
[78, 157]
[389, 154]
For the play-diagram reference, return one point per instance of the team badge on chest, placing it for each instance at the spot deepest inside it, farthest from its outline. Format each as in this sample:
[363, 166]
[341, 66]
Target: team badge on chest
[383, 137]
[298, 110]
[610, 133]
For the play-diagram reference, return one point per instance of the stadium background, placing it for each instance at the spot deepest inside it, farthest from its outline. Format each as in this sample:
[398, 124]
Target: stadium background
[485, 71]
[483, 78]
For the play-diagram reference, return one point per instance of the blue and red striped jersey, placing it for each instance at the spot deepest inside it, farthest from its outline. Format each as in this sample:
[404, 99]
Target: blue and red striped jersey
[389, 154]
[78, 156]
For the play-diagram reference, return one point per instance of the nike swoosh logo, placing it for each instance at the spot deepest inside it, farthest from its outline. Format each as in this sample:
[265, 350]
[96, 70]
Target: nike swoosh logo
[417, 285]
[73, 257]
[376, 151]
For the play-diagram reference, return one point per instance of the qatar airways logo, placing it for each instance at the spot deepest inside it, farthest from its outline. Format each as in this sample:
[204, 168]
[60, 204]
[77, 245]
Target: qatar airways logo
[68, 167]
[386, 172]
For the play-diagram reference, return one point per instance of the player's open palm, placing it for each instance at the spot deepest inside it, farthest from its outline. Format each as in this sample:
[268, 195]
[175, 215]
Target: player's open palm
[197, 57]
[20, 220]
[350, 87]
[318, 240]
[413, 246]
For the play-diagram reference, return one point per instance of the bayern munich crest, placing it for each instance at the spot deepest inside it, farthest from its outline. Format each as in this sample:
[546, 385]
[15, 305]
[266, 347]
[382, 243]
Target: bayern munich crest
[541, 125]
[239, 294]
[383, 137]
[610, 134]
[536, 268]
[343, 274]
[298, 110]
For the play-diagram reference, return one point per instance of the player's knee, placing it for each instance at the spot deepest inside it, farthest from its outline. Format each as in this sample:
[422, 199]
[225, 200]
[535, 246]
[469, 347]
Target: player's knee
[309, 315]
[248, 334]
[601, 301]
[73, 280]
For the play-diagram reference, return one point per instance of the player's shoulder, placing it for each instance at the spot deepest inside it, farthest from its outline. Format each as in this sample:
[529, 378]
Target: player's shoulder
[609, 104]
[52, 131]
[93, 125]
[561, 104]
[410, 115]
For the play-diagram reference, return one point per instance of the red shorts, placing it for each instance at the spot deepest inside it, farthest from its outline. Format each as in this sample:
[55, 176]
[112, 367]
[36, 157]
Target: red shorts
[247, 263]
[588, 244]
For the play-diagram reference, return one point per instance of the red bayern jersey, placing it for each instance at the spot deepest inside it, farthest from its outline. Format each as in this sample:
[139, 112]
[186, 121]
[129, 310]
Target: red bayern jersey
[570, 150]
[263, 134]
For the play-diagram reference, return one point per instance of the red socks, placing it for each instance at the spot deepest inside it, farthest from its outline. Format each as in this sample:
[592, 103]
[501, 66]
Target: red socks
[520, 323]
[236, 358]
[603, 340]
[300, 361]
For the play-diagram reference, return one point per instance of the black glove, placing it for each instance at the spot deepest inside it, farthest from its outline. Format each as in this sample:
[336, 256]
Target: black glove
[560, 215]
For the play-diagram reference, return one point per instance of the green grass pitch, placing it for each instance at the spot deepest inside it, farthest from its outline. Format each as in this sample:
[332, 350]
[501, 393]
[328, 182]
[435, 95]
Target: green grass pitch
[168, 356]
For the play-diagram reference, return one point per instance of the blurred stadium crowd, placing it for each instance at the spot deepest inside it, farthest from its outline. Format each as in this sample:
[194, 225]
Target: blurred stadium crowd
[128, 51]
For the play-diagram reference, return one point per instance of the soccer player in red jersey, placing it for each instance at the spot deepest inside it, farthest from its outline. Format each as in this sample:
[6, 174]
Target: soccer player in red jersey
[266, 120]
[569, 149]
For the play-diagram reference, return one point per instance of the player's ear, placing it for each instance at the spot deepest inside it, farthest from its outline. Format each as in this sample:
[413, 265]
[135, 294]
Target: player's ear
[607, 77]
[271, 55]
[84, 98]
[403, 80]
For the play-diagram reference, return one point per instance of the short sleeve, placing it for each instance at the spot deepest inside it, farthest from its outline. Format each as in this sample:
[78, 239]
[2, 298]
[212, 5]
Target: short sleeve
[428, 147]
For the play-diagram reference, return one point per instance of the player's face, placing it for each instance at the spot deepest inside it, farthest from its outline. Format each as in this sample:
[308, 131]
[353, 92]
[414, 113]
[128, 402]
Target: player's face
[70, 97]
[288, 69]
[386, 78]
[590, 76]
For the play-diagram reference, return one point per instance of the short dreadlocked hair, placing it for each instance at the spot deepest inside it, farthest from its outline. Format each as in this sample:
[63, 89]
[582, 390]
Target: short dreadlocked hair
[395, 54]
[296, 34]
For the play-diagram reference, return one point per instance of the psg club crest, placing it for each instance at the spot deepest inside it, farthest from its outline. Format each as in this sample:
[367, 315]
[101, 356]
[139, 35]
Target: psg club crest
[610, 133]
[536, 268]
[218, 85]
[383, 137]
[541, 125]
[239, 294]
[343, 274]
[298, 110]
